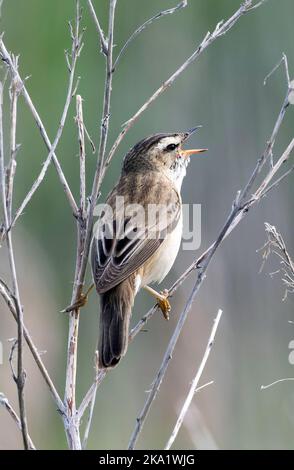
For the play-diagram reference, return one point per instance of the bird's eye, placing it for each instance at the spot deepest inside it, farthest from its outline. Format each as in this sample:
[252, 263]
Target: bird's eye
[171, 147]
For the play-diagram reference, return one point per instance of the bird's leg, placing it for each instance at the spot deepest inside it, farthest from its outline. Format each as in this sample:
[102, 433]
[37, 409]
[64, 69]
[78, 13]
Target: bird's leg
[162, 300]
[81, 302]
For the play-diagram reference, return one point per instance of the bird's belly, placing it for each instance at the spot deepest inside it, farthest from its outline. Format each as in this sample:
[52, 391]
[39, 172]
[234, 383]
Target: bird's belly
[159, 265]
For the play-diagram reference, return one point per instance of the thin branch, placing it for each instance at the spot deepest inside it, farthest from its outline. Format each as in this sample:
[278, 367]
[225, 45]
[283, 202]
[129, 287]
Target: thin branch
[7, 59]
[220, 29]
[20, 382]
[10, 359]
[284, 61]
[70, 421]
[277, 182]
[283, 159]
[194, 385]
[91, 405]
[4, 402]
[141, 28]
[14, 92]
[82, 154]
[103, 41]
[287, 379]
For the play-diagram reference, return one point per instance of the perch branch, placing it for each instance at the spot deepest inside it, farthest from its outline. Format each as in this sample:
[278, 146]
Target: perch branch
[70, 421]
[83, 245]
[195, 382]
[244, 209]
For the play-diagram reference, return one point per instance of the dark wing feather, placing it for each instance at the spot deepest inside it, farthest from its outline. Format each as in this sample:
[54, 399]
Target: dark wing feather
[114, 260]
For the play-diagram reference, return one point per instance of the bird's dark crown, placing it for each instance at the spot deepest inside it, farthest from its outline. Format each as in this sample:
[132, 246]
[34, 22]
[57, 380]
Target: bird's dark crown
[137, 159]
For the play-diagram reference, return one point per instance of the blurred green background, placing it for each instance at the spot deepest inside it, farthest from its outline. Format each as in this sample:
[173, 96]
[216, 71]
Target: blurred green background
[223, 91]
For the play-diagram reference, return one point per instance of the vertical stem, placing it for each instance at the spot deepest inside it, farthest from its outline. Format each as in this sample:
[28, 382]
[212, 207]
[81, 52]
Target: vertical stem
[103, 137]
[13, 146]
[83, 246]
[20, 372]
[82, 155]
[70, 421]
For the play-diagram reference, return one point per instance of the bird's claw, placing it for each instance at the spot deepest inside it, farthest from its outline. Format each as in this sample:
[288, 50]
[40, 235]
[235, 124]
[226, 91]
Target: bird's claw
[81, 302]
[164, 304]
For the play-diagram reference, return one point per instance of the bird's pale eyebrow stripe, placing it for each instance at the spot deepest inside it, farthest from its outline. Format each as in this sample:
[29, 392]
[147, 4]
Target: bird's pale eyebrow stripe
[163, 143]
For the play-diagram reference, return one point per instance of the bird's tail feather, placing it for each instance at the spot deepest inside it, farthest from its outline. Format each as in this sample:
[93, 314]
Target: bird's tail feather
[116, 307]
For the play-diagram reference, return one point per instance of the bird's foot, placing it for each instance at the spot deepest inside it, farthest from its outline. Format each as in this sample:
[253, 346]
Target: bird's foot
[81, 302]
[164, 304]
[161, 299]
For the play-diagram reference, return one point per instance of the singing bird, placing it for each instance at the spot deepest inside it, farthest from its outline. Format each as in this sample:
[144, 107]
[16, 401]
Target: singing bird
[130, 252]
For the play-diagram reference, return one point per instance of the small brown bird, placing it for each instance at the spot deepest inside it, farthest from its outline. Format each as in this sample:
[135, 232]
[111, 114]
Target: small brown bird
[130, 250]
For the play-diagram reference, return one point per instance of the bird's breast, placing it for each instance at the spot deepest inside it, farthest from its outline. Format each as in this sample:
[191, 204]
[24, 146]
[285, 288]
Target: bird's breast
[159, 265]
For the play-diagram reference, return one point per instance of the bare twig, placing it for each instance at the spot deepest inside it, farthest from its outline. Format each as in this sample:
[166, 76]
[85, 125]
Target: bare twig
[4, 402]
[7, 59]
[287, 379]
[103, 41]
[10, 359]
[194, 385]
[81, 133]
[141, 28]
[14, 92]
[70, 421]
[91, 405]
[277, 182]
[284, 61]
[220, 29]
[20, 382]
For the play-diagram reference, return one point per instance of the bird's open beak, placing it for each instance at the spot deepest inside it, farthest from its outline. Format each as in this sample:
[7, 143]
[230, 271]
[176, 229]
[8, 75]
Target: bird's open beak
[187, 153]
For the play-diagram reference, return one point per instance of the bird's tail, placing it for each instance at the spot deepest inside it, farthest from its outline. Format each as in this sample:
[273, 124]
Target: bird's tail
[116, 307]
